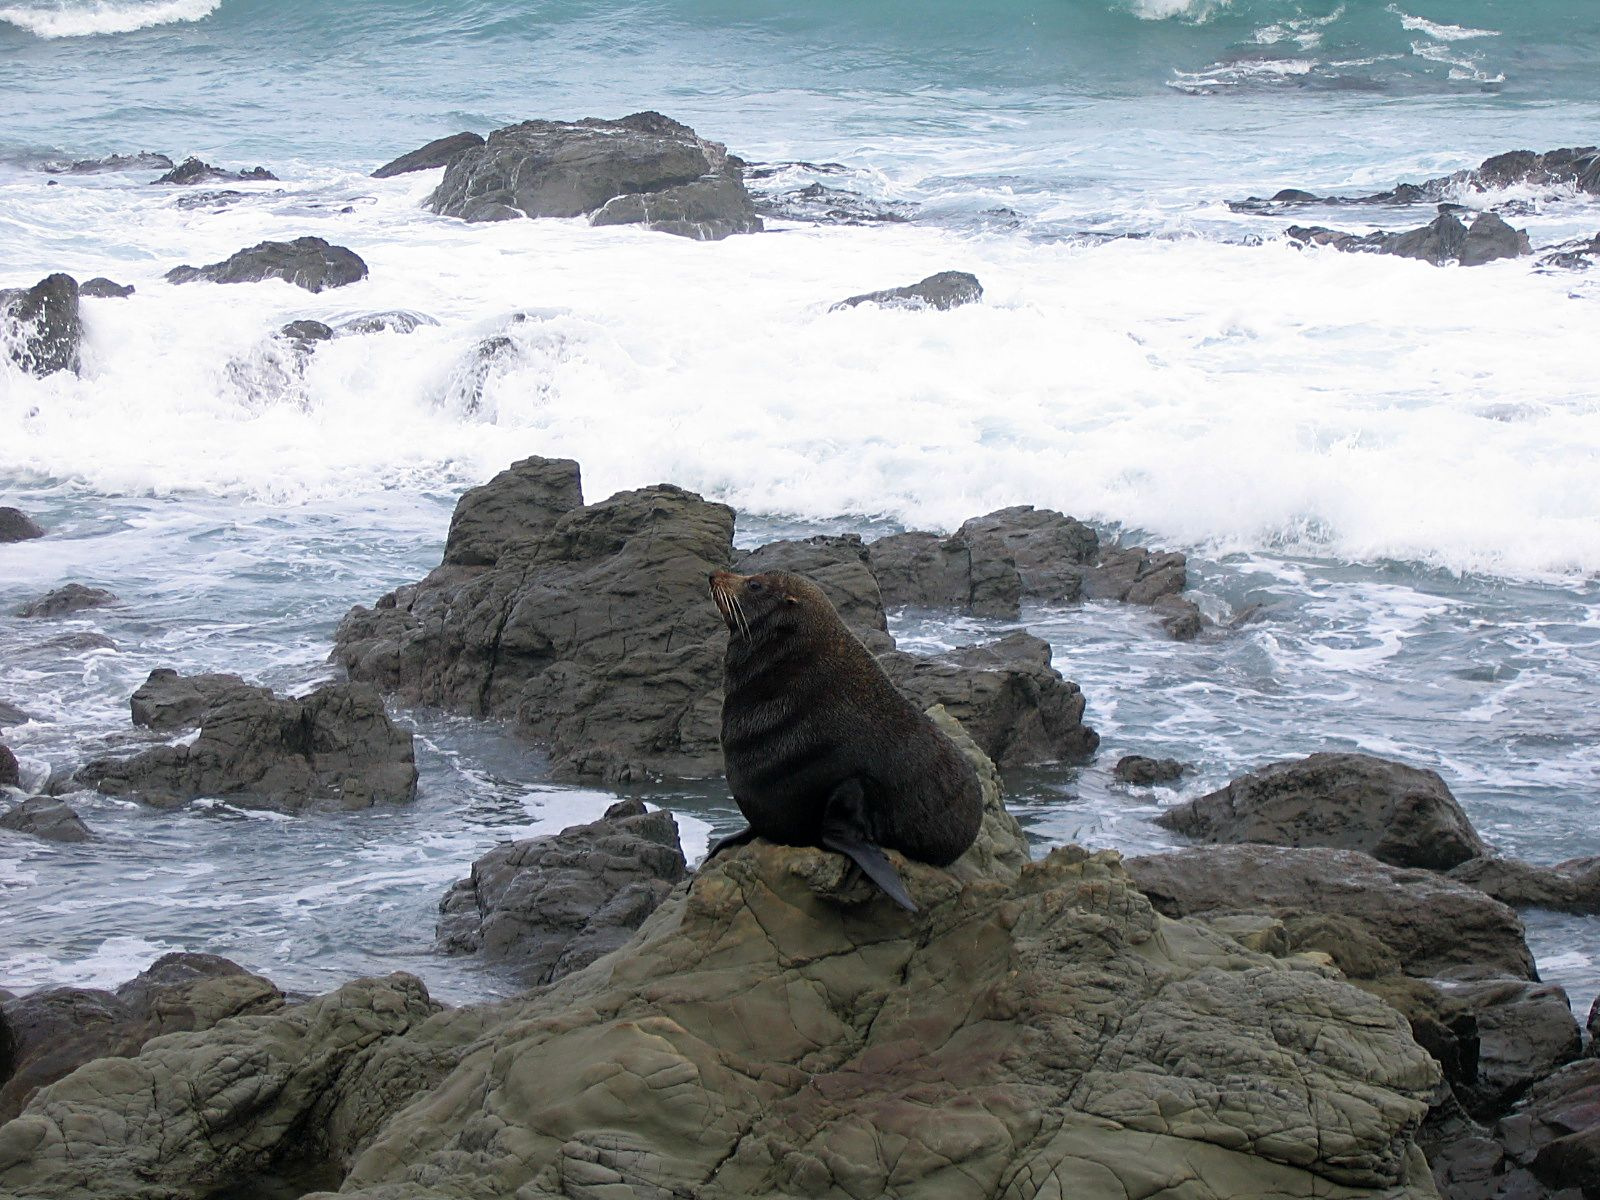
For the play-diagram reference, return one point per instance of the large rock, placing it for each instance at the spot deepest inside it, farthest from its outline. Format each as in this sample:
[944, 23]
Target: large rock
[335, 749]
[643, 169]
[550, 905]
[44, 817]
[17, 526]
[106, 289]
[192, 170]
[1398, 814]
[437, 153]
[1139, 770]
[168, 701]
[946, 290]
[1443, 240]
[64, 601]
[308, 262]
[1524, 1030]
[1433, 925]
[776, 1029]
[1572, 886]
[40, 326]
[591, 627]
[54, 1032]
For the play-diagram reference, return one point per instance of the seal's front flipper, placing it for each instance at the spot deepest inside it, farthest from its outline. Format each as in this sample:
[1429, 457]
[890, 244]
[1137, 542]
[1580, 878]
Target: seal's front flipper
[743, 837]
[845, 829]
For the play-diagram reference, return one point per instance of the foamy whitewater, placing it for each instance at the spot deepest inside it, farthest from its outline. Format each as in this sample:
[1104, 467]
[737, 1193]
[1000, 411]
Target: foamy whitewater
[1401, 462]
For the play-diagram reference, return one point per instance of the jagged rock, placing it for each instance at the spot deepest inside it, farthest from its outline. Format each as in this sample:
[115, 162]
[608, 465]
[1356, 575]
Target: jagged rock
[74, 597]
[335, 749]
[642, 168]
[54, 1032]
[1577, 255]
[192, 170]
[1525, 1031]
[10, 775]
[593, 630]
[1140, 771]
[43, 328]
[1436, 927]
[17, 526]
[1490, 238]
[1444, 240]
[946, 290]
[776, 1028]
[308, 262]
[529, 495]
[1572, 886]
[43, 816]
[1398, 814]
[143, 161]
[397, 321]
[926, 570]
[105, 289]
[437, 153]
[168, 701]
[550, 905]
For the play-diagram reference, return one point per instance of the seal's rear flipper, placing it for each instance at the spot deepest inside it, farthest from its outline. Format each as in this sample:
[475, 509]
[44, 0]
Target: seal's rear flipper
[744, 836]
[875, 864]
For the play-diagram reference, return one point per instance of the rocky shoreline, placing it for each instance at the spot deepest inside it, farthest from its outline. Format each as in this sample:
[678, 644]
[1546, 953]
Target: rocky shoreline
[1336, 999]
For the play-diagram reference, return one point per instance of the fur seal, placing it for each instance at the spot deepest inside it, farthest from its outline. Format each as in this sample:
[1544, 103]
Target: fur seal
[821, 749]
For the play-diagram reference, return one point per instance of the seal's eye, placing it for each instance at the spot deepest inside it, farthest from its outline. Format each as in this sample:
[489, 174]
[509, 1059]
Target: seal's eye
[756, 588]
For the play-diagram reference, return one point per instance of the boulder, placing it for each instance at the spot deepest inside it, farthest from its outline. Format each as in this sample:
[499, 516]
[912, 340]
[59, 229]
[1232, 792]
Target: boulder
[776, 1028]
[550, 905]
[1572, 886]
[333, 750]
[167, 701]
[1524, 1030]
[44, 817]
[925, 570]
[1444, 240]
[10, 776]
[643, 169]
[54, 1032]
[64, 601]
[1398, 814]
[191, 170]
[592, 629]
[1433, 925]
[1140, 771]
[437, 153]
[308, 262]
[305, 333]
[106, 289]
[1490, 238]
[40, 325]
[946, 290]
[143, 161]
[17, 526]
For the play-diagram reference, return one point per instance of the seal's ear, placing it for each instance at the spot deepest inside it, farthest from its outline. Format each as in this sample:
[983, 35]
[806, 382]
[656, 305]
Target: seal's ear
[791, 599]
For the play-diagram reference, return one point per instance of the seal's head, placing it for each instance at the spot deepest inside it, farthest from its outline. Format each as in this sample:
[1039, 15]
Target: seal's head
[761, 606]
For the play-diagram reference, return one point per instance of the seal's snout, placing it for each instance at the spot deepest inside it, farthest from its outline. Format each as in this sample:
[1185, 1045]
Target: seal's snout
[725, 591]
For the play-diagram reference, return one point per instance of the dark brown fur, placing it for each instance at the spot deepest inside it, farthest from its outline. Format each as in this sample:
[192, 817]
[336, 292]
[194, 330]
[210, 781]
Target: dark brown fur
[808, 715]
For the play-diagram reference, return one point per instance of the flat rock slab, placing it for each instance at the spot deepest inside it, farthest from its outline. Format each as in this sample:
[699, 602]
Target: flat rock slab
[42, 816]
[437, 153]
[1397, 813]
[64, 601]
[308, 262]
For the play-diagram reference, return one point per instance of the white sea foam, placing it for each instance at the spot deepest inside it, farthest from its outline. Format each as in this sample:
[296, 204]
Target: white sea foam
[79, 19]
[1164, 10]
[1437, 30]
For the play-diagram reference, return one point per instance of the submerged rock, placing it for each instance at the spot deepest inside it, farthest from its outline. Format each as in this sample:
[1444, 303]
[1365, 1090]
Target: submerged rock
[335, 749]
[946, 290]
[308, 262]
[1444, 240]
[437, 153]
[776, 1028]
[42, 816]
[54, 1032]
[74, 597]
[1139, 771]
[40, 326]
[1396, 813]
[306, 332]
[551, 905]
[641, 169]
[106, 289]
[17, 526]
[1577, 255]
[192, 170]
[10, 714]
[143, 161]
[397, 321]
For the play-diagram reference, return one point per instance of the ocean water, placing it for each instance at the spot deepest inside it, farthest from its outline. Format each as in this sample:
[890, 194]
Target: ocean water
[1400, 463]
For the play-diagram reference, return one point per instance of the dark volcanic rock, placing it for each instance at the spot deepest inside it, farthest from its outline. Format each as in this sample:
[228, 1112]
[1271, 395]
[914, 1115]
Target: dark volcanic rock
[41, 326]
[1140, 771]
[550, 905]
[592, 629]
[946, 290]
[1525, 1031]
[336, 749]
[1572, 886]
[168, 701]
[436, 153]
[928, 571]
[307, 262]
[56, 1031]
[143, 161]
[1490, 238]
[306, 332]
[106, 289]
[1577, 255]
[65, 600]
[192, 170]
[17, 526]
[10, 774]
[1442, 241]
[643, 169]
[45, 817]
[1398, 814]
[1435, 926]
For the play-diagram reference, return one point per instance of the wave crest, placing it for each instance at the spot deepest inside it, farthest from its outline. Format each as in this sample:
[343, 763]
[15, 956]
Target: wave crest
[66, 19]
